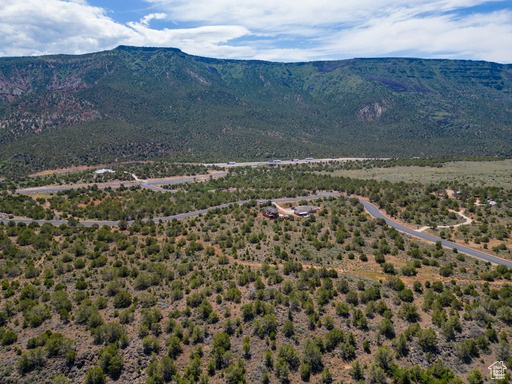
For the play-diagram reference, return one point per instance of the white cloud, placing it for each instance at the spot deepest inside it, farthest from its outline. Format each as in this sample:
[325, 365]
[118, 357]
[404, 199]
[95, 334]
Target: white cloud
[275, 15]
[34, 27]
[348, 28]
[484, 37]
[52, 26]
[153, 16]
[287, 30]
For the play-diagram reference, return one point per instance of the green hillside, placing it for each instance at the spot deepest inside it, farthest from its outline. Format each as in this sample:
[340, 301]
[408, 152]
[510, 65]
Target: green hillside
[133, 103]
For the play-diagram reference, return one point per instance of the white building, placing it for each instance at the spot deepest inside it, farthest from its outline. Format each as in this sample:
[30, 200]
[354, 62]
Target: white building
[104, 170]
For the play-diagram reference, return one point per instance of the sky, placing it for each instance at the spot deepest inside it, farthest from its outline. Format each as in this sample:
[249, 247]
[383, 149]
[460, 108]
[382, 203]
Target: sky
[276, 30]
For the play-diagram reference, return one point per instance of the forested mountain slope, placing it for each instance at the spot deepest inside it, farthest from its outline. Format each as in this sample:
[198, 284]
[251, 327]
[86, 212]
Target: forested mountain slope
[147, 102]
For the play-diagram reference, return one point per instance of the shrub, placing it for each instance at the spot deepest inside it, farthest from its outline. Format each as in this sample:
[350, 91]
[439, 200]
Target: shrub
[446, 270]
[31, 360]
[267, 325]
[36, 315]
[342, 309]
[235, 373]
[383, 358]
[282, 371]
[221, 340]
[142, 281]
[246, 347]
[60, 379]
[288, 328]
[168, 368]
[406, 295]
[326, 376]
[376, 375]
[305, 372]
[333, 339]
[395, 283]
[61, 301]
[400, 346]
[388, 268]
[58, 345]
[95, 375]
[312, 356]
[150, 344]
[408, 312]
[126, 316]
[110, 361]
[174, 346]
[122, 299]
[109, 333]
[290, 355]
[386, 328]
[505, 314]
[359, 319]
[427, 340]
[356, 371]
[8, 337]
[466, 350]
[475, 377]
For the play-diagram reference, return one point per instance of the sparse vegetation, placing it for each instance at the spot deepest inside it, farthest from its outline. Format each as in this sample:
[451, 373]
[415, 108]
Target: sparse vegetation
[231, 295]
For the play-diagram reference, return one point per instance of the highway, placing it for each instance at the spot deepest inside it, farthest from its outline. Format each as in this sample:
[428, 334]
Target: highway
[372, 210]
[152, 184]
[232, 164]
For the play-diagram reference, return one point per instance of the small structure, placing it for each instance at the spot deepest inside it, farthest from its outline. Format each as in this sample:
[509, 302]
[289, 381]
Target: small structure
[271, 212]
[304, 210]
[497, 370]
[492, 203]
[104, 170]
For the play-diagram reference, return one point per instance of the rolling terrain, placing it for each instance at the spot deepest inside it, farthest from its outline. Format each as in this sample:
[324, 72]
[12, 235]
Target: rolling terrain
[139, 103]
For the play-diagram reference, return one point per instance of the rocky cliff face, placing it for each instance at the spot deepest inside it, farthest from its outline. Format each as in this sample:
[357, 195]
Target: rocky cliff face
[42, 93]
[373, 111]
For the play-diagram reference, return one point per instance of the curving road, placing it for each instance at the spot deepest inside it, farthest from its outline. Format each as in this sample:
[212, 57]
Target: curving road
[372, 210]
[375, 212]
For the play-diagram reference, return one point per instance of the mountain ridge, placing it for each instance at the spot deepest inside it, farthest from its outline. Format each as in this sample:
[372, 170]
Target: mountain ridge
[135, 103]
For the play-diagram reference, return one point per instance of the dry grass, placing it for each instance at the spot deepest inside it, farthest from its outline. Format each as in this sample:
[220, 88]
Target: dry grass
[492, 173]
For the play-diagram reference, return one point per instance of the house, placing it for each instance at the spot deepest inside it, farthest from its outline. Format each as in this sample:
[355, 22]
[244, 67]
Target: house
[497, 370]
[104, 170]
[271, 212]
[304, 210]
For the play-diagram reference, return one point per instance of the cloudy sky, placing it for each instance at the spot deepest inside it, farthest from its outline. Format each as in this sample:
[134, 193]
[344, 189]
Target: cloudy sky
[278, 30]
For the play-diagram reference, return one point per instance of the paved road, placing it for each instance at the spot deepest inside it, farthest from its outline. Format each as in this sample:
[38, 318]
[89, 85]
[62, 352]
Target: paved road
[296, 161]
[112, 223]
[152, 184]
[372, 210]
